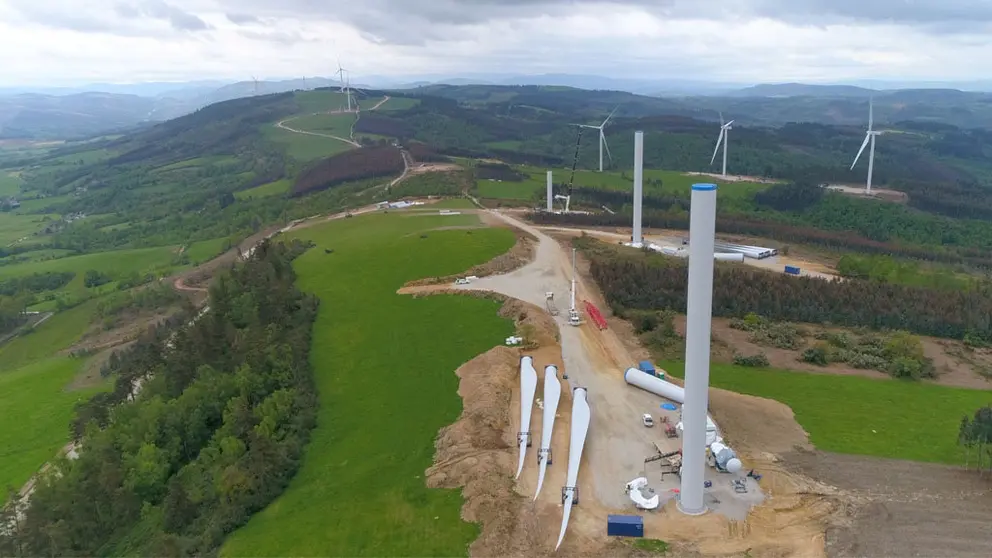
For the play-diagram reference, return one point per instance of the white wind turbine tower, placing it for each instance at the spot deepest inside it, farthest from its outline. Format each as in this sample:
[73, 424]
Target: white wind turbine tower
[255, 87]
[602, 138]
[724, 128]
[345, 84]
[869, 138]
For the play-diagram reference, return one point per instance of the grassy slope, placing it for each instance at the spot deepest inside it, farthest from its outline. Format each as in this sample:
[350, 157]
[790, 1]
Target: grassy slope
[14, 227]
[10, 184]
[276, 188]
[384, 366]
[851, 414]
[35, 407]
[114, 263]
[673, 182]
[305, 147]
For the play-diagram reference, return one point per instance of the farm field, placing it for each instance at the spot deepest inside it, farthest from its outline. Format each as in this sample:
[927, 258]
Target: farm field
[454, 203]
[672, 183]
[276, 188]
[333, 124]
[117, 263]
[319, 101]
[10, 184]
[399, 103]
[305, 147]
[856, 415]
[204, 250]
[35, 404]
[384, 366]
[14, 227]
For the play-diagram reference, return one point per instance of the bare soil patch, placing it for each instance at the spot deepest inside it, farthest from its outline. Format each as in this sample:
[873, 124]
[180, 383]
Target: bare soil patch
[884, 194]
[421, 168]
[905, 508]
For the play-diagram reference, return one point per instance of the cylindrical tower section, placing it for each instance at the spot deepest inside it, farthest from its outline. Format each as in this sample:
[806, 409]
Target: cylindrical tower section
[638, 184]
[702, 229]
[550, 193]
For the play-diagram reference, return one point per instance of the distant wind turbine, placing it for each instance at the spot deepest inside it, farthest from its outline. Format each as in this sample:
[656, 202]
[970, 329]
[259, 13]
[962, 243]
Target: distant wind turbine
[724, 128]
[255, 87]
[602, 138]
[345, 83]
[869, 138]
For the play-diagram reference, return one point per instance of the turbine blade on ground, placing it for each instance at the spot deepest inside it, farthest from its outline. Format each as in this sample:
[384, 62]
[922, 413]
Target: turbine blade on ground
[860, 151]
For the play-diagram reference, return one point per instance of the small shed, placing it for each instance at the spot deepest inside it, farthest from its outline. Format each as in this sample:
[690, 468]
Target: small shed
[624, 526]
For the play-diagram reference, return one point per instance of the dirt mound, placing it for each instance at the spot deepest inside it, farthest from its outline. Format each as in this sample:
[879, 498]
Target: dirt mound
[756, 424]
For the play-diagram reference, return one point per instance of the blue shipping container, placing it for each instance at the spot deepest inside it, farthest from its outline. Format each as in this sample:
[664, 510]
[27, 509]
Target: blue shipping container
[625, 526]
[792, 270]
[646, 367]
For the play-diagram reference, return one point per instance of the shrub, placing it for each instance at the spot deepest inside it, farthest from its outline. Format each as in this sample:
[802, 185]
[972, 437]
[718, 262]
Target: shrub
[757, 361]
[816, 355]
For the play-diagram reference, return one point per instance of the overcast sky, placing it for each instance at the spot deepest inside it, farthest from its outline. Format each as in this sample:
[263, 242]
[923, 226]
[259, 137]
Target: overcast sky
[68, 42]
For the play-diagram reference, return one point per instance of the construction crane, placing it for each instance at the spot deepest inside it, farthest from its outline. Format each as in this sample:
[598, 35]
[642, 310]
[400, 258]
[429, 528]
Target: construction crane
[571, 179]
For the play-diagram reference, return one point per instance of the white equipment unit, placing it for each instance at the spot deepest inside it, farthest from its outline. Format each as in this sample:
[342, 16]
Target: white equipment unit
[636, 489]
[552, 394]
[528, 386]
[580, 428]
[702, 232]
[723, 459]
[573, 313]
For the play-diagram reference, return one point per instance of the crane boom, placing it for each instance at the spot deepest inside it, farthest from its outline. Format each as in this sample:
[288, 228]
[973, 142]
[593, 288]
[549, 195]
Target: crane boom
[575, 162]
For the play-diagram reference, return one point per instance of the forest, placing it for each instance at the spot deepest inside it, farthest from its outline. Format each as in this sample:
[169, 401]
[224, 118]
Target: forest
[975, 434]
[216, 433]
[642, 281]
[357, 164]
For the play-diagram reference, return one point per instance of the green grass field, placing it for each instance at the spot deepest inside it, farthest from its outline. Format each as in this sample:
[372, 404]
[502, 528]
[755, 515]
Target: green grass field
[277, 188]
[399, 103]
[333, 124]
[205, 250]
[454, 203]
[197, 162]
[35, 406]
[672, 182]
[304, 147]
[851, 414]
[10, 184]
[384, 366]
[319, 101]
[114, 263]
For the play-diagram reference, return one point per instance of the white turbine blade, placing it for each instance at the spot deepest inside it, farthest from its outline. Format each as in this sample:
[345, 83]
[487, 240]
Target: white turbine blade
[871, 113]
[860, 151]
[610, 116]
[602, 138]
[721, 119]
[718, 141]
[727, 125]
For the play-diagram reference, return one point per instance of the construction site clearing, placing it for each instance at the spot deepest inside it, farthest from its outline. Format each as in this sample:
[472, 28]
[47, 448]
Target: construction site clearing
[761, 506]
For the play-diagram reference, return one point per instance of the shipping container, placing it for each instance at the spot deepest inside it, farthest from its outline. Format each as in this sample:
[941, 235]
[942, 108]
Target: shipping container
[646, 367]
[625, 526]
[792, 270]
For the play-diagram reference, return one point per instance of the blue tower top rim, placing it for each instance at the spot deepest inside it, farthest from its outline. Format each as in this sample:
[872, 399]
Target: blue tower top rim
[704, 187]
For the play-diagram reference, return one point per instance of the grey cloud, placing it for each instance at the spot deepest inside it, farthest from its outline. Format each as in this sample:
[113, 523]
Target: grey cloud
[281, 37]
[157, 9]
[407, 22]
[242, 19]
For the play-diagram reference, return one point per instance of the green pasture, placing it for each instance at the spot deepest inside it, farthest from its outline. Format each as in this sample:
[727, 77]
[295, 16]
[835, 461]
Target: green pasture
[333, 124]
[398, 103]
[35, 404]
[277, 188]
[305, 147]
[384, 366]
[116, 263]
[319, 101]
[205, 250]
[10, 184]
[851, 414]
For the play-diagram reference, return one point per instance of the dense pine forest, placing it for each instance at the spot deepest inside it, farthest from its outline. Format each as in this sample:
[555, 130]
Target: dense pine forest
[218, 429]
[647, 281]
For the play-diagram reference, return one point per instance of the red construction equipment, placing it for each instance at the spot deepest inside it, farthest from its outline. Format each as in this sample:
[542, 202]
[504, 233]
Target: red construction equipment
[595, 315]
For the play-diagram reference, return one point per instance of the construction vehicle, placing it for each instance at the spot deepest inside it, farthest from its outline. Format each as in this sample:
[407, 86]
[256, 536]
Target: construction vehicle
[670, 430]
[549, 301]
[647, 420]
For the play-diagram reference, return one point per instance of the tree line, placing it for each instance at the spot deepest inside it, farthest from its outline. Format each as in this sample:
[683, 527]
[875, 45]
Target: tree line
[357, 164]
[218, 429]
[656, 282]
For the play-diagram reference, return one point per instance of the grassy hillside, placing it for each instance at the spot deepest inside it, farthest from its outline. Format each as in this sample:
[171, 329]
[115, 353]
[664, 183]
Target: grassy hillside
[361, 489]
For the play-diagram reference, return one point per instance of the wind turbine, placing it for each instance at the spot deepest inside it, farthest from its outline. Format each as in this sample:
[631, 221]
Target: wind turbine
[255, 87]
[345, 84]
[724, 128]
[869, 138]
[602, 138]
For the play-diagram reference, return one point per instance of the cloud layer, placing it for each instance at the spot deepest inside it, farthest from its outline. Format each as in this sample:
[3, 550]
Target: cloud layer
[51, 41]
